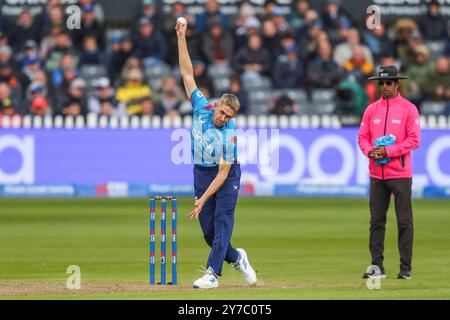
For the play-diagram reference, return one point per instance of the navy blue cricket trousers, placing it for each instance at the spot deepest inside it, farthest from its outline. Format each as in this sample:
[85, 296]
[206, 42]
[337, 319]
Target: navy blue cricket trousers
[217, 215]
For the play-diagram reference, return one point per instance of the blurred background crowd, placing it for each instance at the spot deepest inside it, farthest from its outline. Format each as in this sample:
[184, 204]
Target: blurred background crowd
[308, 61]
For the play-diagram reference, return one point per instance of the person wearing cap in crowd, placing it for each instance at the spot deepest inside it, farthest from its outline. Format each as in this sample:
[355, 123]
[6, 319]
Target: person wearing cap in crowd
[288, 70]
[74, 101]
[7, 76]
[434, 25]
[335, 21]
[389, 131]
[212, 14]
[247, 23]
[435, 84]
[133, 90]
[105, 93]
[149, 44]
[7, 106]
[217, 45]
[178, 9]
[278, 18]
[32, 64]
[89, 26]
[39, 107]
[98, 9]
[299, 8]
[90, 55]
[416, 73]
[62, 45]
[121, 51]
[150, 10]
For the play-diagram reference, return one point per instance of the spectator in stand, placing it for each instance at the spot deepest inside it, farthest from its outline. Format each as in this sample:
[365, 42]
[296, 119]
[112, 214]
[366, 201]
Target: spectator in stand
[149, 44]
[217, 45]
[34, 91]
[417, 72]
[170, 96]
[446, 51]
[120, 51]
[7, 76]
[323, 72]
[32, 65]
[279, 20]
[67, 62]
[3, 38]
[308, 40]
[148, 108]
[434, 26]
[269, 5]
[378, 42]
[39, 107]
[133, 63]
[74, 102]
[344, 51]
[407, 53]
[63, 45]
[178, 9]
[5, 54]
[49, 41]
[90, 55]
[98, 9]
[296, 18]
[212, 15]
[404, 30]
[246, 24]
[150, 11]
[288, 70]
[30, 48]
[253, 61]
[284, 105]
[105, 93]
[335, 21]
[89, 26]
[271, 40]
[202, 79]
[133, 90]
[55, 19]
[7, 107]
[359, 66]
[436, 83]
[24, 29]
[236, 89]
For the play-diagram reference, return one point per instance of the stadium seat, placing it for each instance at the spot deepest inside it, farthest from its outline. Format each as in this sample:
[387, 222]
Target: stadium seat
[261, 83]
[156, 71]
[219, 71]
[433, 107]
[322, 95]
[221, 84]
[436, 48]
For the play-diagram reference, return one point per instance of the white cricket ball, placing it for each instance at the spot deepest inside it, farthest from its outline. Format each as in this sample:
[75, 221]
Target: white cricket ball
[181, 21]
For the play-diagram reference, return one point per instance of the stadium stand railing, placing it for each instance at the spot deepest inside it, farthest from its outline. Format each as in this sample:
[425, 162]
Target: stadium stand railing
[242, 121]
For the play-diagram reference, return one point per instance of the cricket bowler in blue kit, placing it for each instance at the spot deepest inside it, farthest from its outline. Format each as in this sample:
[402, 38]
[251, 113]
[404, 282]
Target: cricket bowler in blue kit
[217, 173]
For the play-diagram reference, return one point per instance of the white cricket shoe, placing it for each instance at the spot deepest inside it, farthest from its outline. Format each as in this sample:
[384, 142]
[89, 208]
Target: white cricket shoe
[208, 281]
[244, 267]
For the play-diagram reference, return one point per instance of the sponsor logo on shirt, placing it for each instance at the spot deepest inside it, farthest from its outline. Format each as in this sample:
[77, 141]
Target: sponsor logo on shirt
[396, 121]
[376, 121]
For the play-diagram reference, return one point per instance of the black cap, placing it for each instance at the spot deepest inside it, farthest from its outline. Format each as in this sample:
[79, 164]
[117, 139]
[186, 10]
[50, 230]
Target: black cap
[388, 73]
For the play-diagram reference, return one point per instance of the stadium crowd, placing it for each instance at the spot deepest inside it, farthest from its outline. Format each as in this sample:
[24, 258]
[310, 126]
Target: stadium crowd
[47, 69]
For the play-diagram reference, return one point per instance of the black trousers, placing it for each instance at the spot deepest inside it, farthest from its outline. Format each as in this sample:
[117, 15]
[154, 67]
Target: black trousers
[380, 197]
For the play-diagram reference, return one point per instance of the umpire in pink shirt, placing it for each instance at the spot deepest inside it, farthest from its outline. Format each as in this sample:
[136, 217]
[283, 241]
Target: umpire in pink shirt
[393, 115]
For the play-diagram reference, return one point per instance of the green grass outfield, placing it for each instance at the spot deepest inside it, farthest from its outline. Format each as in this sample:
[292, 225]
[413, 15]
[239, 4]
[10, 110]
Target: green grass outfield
[301, 249]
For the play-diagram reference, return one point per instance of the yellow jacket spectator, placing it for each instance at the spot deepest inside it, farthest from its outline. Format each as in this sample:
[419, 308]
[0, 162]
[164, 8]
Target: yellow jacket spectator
[133, 91]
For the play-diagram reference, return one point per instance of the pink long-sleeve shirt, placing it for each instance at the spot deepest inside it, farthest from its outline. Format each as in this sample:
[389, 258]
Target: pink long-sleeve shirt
[400, 118]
